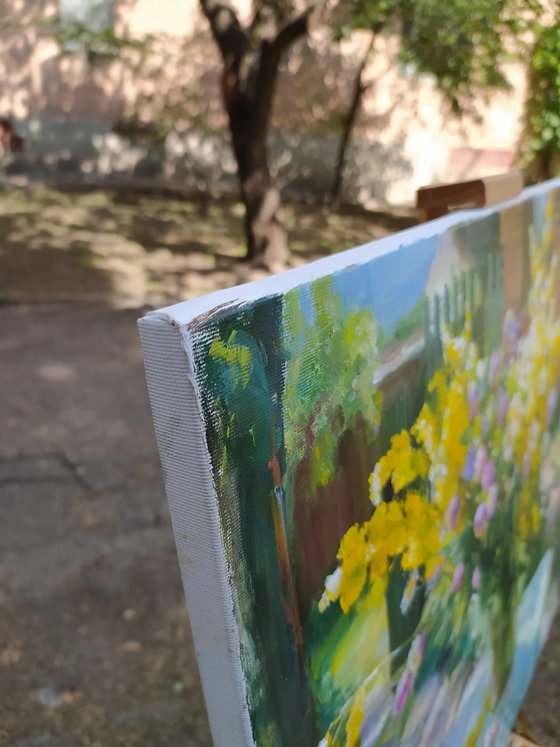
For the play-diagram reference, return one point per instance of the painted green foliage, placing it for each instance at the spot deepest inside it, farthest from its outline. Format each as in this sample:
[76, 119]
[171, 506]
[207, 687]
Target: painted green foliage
[243, 372]
[325, 394]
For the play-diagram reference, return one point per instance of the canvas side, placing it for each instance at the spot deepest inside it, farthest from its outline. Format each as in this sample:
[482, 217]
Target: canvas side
[194, 513]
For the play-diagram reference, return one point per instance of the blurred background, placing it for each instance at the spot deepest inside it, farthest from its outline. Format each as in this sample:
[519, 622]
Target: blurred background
[152, 151]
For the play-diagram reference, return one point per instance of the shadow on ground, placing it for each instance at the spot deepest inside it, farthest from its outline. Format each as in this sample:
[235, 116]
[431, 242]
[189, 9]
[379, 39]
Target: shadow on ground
[131, 249]
[95, 647]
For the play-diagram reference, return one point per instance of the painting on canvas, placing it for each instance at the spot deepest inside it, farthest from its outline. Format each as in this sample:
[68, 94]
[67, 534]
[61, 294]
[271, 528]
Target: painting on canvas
[385, 447]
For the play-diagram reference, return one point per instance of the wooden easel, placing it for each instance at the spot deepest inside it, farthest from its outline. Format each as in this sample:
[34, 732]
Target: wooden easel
[439, 199]
[521, 735]
[518, 741]
[435, 201]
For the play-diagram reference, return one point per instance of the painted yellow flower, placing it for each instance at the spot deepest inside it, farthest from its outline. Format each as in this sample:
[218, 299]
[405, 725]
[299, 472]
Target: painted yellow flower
[355, 718]
[402, 464]
[446, 462]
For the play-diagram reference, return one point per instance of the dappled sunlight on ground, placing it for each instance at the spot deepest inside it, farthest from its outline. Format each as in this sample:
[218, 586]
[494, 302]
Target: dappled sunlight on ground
[132, 250]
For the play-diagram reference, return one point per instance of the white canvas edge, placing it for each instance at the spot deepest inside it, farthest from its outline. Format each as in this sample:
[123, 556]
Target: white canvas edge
[193, 504]
[187, 311]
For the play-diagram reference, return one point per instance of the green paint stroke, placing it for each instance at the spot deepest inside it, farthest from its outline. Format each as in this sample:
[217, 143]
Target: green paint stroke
[237, 357]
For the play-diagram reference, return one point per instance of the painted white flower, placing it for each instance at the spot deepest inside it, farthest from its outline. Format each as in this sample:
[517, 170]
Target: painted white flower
[332, 587]
[481, 370]
[409, 592]
[375, 495]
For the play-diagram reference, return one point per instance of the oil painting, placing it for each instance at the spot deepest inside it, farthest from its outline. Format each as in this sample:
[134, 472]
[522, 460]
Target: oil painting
[385, 454]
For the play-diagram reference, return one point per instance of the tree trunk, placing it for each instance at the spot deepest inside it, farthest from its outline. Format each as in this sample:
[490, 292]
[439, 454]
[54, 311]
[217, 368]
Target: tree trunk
[249, 76]
[350, 120]
[267, 238]
[543, 165]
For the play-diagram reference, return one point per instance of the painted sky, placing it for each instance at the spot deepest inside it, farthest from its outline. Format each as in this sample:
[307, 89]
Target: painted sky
[391, 284]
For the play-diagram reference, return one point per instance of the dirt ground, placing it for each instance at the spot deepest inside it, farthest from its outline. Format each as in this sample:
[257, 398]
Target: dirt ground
[131, 250]
[95, 647]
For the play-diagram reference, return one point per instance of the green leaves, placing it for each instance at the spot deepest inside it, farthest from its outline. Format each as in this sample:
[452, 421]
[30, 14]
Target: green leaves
[462, 43]
[99, 44]
[542, 126]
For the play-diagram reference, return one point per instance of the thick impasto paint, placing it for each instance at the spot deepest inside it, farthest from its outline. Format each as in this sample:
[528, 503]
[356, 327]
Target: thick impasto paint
[385, 448]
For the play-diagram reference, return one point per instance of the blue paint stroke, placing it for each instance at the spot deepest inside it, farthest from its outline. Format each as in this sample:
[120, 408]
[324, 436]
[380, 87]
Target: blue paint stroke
[391, 284]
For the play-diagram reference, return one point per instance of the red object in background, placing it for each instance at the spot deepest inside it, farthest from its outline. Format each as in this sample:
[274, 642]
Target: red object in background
[10, 141]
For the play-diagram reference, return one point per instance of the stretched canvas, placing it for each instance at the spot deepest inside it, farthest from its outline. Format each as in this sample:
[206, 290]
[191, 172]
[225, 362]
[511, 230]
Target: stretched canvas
[361, 458]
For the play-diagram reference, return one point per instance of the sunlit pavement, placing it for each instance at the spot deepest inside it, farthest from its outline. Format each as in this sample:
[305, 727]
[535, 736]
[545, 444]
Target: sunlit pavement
[95, 646]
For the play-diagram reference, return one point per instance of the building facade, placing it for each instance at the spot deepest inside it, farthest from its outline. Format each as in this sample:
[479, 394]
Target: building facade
[152, 113]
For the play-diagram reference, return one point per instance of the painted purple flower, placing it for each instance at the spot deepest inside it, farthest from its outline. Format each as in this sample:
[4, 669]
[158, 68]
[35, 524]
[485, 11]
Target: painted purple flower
[479, 462]
[551, 405]
[512, 331]
[492, 502]
[458, 577]
[492, 735]
[494, 367]
[476, 579]
[480, 520]
[434, 577]
[503, 404]
[403, 690]
[452, 513]
[488, 474]
[469, 464]
[473, 399]
[526, 466]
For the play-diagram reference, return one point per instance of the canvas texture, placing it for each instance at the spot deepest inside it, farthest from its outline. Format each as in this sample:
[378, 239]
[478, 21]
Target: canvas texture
[382, 434]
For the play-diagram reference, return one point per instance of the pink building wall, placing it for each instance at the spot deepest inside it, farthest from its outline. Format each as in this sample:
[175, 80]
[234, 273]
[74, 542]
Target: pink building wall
[67, 109]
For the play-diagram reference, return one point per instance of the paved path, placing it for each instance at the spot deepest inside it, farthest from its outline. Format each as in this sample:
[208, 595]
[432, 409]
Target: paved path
[95, 647]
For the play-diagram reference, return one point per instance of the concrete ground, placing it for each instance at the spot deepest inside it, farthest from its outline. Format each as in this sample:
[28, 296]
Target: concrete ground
[95, 647]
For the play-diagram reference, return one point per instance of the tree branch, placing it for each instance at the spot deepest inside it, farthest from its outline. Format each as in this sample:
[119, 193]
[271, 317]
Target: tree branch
[271, 55]
[228, 33]
[274, 13]
[349, 121]
[292, 31]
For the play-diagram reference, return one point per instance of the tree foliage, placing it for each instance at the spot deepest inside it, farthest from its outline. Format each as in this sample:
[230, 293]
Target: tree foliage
[464, 44]
[99, 45]
[541, 142]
